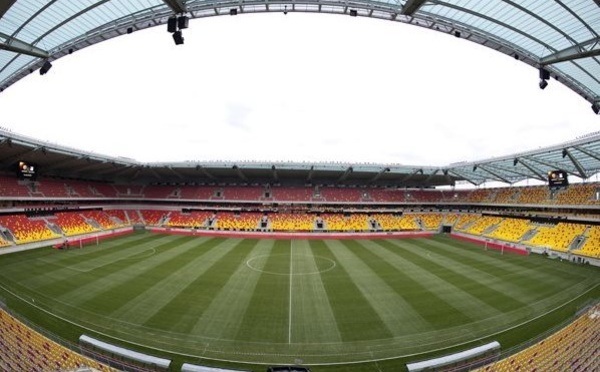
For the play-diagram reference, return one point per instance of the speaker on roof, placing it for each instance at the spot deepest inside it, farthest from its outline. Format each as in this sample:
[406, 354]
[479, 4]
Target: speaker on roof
[353, 13]
[233, 11]
[183, 22]
[172, 24]
[178, 37]
[45, 67]
[544, 74]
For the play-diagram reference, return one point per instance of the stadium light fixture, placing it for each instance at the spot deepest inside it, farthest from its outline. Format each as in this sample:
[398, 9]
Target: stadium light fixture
[45, 67]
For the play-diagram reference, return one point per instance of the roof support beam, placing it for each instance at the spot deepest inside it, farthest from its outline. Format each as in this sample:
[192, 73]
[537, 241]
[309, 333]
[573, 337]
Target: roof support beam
[345, 175]
[4, 6]
[408, 177]
[310, 173]
[462, 177]
[589, 153]
[589, 48]
[498, 177]
[15, 45]
[412, 6]
[176, 173]
[430, 177]
[274, 170]
[576, 163]
[379, 174]
[552, 165]
[240, 173]
[176, 5]
[531, 168]
[205, 172]
[518, 173]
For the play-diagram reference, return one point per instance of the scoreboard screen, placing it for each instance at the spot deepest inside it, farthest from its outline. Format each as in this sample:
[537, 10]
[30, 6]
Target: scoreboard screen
[26, 170]
[558, 178]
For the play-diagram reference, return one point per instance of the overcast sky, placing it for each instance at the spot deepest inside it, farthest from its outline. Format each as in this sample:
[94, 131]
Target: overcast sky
[298, 87]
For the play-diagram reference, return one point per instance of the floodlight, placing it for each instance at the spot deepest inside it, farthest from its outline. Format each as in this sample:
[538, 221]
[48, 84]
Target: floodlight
[45, 67]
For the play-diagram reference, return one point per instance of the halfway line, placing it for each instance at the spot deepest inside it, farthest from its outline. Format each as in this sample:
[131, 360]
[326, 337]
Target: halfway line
[290, 312]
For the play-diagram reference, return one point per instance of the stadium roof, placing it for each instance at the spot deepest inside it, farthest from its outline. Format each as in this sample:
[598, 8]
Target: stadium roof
[580, 158]
[560, 35]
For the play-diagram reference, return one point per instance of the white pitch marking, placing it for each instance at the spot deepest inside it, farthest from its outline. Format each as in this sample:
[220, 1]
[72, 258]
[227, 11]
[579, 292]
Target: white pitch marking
[291, 276]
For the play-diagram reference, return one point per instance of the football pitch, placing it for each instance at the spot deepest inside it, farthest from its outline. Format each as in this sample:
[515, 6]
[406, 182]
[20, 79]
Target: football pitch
[220, 301]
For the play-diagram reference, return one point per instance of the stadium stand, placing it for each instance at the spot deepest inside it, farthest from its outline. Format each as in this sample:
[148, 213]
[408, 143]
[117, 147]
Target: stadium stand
[482, 224]
[24, 349]
[3, 242]
[236, 221]
[72, 223]
[102, 218]
[152, 217]
[577, 194]
[573, 348]
[192, 219]
[52, 188]
[511, 229]
[558, 237]
[388, 195]
[395, 222]
[292, 193]
[336, 194]
[243, 193]
[591, 246]
[11, 188]
[534, 195]
[340, 222]
[429, 221]
[292, 222]
[27, 230]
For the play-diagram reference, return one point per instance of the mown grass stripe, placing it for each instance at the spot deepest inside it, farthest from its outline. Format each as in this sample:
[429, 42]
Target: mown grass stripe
[313, 319]
[182, 312]
[517, 265]
[224, 314]
[124, 286]
[266, 317]
[484, 275]
[73, 281]
[436, 311]
[470, 306]
[53, 261]
[152, 300]
[531, 266]
[518, 285]
[470, 284]
[356, 319]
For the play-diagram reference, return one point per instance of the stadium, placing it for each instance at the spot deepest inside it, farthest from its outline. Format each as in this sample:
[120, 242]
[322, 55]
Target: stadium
[108, 263]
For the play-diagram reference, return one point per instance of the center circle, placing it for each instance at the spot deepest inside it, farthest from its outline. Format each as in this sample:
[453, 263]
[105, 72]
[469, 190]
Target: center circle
[299, 265]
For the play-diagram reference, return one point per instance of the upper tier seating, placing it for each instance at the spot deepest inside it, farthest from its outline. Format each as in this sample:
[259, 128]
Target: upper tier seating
[10, 187]
[337, 194]
[577, 194]
[292, 193]
[534, 195]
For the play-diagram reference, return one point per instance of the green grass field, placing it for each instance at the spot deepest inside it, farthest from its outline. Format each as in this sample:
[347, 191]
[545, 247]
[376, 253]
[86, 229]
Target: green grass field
[215, 301]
